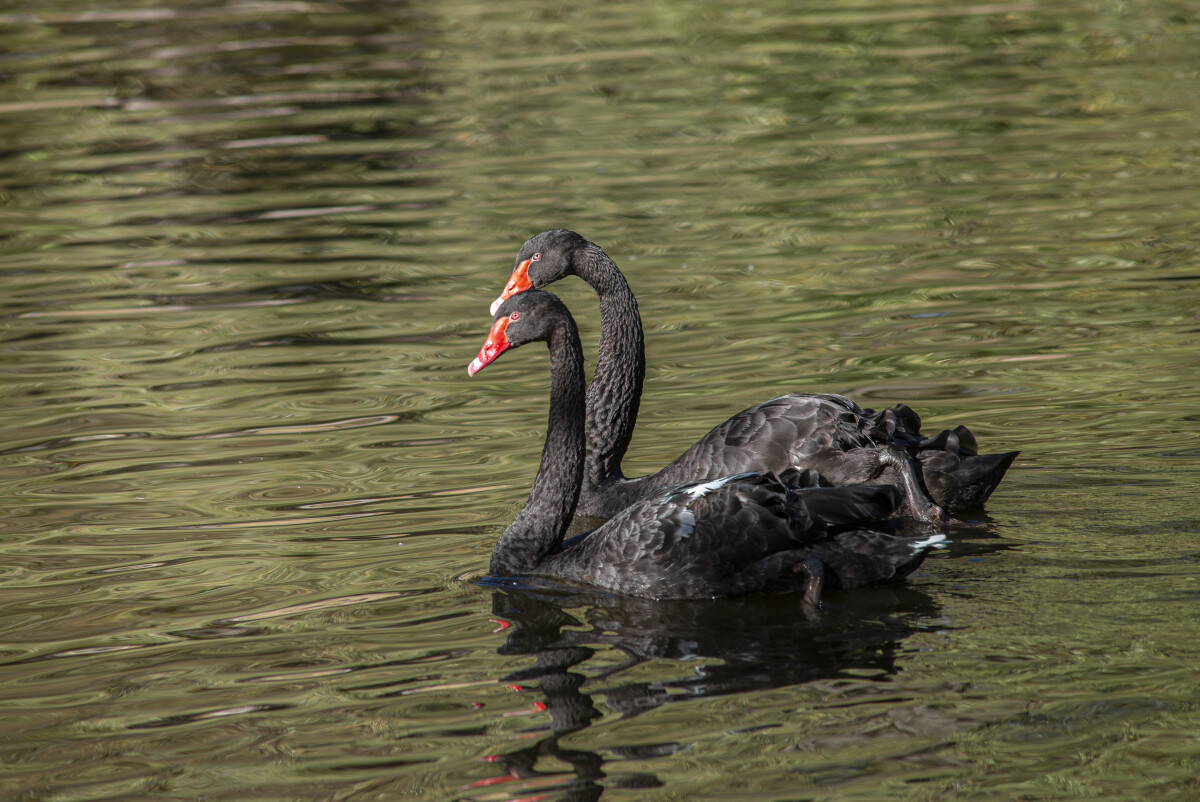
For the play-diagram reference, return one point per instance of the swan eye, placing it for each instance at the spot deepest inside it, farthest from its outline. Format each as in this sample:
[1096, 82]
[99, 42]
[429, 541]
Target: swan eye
[537, 257]
[515, 316]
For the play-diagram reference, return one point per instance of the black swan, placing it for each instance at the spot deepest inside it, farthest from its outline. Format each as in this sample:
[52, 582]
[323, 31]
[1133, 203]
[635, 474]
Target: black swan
[844, 443]
[728, 536]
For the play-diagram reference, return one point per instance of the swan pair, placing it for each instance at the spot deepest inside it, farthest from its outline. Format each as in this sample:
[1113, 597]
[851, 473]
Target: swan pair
[741, 511]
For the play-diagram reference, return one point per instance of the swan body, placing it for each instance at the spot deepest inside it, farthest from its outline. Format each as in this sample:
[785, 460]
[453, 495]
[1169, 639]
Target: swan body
[744, 533]
[831, 434]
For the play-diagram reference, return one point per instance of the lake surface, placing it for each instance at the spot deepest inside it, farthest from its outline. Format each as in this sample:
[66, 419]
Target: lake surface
[247, 252]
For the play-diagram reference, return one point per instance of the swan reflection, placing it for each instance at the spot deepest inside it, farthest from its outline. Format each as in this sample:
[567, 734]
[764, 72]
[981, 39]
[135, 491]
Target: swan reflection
[721, 647]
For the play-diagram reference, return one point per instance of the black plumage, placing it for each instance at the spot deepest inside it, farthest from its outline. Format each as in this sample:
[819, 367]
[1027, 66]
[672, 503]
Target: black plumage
[750, 532]
[846, 444]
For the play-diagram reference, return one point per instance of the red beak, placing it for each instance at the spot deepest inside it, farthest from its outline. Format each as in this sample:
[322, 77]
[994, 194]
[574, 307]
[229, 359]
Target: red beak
[517, 282]
[495, 345]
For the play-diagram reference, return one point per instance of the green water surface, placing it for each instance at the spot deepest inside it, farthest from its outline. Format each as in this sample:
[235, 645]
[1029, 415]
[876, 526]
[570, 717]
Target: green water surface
[247, 251]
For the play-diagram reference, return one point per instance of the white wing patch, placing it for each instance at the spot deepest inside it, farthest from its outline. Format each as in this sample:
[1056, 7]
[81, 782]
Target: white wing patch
[931, 542]
[704, 488]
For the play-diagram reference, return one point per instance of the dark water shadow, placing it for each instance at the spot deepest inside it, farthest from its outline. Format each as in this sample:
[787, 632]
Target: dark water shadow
[730, 646]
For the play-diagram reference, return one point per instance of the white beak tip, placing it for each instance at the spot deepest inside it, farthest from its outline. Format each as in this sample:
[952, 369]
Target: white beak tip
[474, 367]
[495, 305]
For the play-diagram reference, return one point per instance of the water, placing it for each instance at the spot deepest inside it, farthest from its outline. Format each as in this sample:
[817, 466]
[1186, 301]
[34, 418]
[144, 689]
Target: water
[250, 491]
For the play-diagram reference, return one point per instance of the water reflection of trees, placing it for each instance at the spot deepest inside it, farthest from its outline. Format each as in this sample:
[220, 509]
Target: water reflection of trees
[731, 646]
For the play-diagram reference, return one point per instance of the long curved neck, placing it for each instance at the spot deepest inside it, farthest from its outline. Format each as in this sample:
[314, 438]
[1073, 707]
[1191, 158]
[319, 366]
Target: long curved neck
[616, 389]
[538, 529]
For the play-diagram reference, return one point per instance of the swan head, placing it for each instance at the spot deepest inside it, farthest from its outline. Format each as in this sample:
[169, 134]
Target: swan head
[524, 318]
[543, 259]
